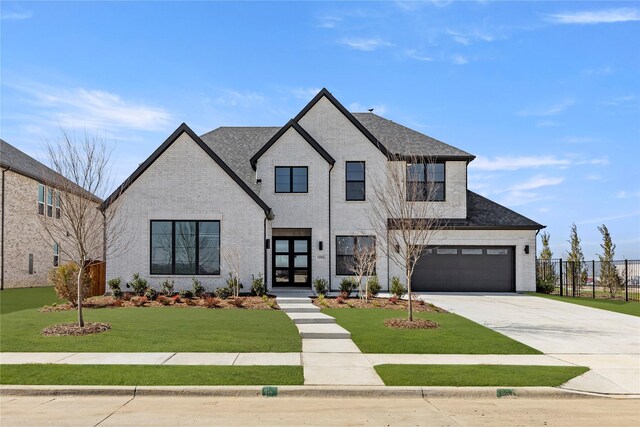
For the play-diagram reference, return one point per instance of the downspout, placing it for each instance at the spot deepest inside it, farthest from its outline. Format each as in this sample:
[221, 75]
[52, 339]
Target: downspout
[264, 246]
[2, 234]
[330, 239]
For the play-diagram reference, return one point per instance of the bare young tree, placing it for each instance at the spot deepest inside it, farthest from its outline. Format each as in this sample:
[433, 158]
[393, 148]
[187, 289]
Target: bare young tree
[233, 259]
[78, 226]
[406, 214]
[363, 264]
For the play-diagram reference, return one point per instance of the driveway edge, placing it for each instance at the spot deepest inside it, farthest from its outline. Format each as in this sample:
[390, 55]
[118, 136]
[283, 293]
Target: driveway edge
[302, 391]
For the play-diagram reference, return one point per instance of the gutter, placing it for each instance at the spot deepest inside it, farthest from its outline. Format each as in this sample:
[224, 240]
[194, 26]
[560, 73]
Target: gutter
[2, 232]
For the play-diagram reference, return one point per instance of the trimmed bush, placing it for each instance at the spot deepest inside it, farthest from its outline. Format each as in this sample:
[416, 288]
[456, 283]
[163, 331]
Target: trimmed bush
[321, 286]
[64, 279]
[114, 286]
[398, 290]
[257, 286]
[223, 293]
[186, 294]
[373, 287]
[151, 294]
[347, 286]
[138, 284]
[198, 289]
[167, 287]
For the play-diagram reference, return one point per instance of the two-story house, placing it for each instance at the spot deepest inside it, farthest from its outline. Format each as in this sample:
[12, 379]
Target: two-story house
[292, 202]
[31, 195]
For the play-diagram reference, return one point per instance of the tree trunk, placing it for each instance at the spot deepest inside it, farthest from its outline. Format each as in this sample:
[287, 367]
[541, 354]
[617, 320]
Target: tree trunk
[80, 296]
[409, 295]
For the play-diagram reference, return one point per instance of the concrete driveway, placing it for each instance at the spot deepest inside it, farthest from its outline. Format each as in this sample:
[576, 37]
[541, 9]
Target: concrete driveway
[607, 342]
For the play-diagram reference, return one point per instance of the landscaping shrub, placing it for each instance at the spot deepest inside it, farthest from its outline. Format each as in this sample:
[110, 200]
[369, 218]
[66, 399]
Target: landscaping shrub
[64, 279]
[545, 287]
[238, 302]
[347, 286]
[139, 301]
[185, 294]
[190, 302]
[234, 285]
[176, 298]
[212, 302]
[167, 287]
[223, 293]
[257, 286]
[373, 287]
[114, 286]
[117, 303]
[151, 294]
[138, 284]
[398, 290]
[393, 299]
[321, 286]
[198, 289]
[164, 300]
[322, 300]
[340, 300]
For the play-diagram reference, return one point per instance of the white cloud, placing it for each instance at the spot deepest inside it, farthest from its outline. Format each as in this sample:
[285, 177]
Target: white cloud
[329, 21]
[624, 194]
[549, 110]
[356, 107]
[580, 139]
[414, 54]
[459, 59]
[609, 218]
[529, 162]
[470, 37]
[306, 93]
[17, 16]
[365, 44]
[234, 98]
[92, 108]
[602, 71]
[621, 100]
[537, 181]
[605, 16]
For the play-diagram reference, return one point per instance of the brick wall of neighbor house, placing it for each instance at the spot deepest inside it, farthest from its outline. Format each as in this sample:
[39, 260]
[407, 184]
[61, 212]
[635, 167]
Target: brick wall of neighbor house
[344, 142]
[524, 263]
[298, 210]
[24, 234]
[184, 183]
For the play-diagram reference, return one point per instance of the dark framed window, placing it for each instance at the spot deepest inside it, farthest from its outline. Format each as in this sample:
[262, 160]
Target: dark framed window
[49, 202]
[355, 181]
[58, 199]
[425, 181]
[185, 247]
[346, 247]
[56, 254]
[41, 199]
[291, 179]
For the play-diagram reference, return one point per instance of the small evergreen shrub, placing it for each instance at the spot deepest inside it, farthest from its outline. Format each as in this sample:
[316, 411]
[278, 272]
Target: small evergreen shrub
[373, 287]
[321, 286]
[185, 294]
[114, 286]
[347, 286]
[138, 284]
[398, 290]
[544, 287]
[151, 294]
[198, 289]
[257, 286]
[223, 293]
[167, 287]
[64, 279]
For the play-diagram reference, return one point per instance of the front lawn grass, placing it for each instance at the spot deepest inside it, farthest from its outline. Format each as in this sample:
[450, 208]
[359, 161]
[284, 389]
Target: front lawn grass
[477, 375]
[144, 329]
[456, 335]
[625, 307]
[33, 374]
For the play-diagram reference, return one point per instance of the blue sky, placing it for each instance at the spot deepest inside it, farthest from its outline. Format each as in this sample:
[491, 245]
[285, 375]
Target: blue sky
[545, 94]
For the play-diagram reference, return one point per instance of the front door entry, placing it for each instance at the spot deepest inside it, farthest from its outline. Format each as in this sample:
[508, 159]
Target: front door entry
[292, 261]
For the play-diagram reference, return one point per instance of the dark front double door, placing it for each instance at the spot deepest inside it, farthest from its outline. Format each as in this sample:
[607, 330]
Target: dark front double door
[292, 261]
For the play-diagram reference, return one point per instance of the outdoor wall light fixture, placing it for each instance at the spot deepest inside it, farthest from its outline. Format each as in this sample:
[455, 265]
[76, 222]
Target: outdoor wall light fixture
[320, 245]
[526, 249]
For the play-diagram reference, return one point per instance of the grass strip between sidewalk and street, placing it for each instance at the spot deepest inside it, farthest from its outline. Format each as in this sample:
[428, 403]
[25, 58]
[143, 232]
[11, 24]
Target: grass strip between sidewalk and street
[130, 375]
[631, 308]
[477, 375]
[456, 334]
[144, 329]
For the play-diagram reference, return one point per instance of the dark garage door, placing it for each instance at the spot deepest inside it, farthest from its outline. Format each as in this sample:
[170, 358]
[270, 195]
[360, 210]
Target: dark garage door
[465, 269]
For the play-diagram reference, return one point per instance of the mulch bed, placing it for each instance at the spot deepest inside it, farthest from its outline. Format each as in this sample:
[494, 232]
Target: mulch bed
[244, 303]
[413, 324]
[73, 329]
[385, 303]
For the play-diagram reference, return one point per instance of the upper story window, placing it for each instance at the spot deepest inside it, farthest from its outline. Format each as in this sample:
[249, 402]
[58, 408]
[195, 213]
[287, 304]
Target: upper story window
[355, 189]
[425, 181]
[40, 199]
[49, 202]
[58, 196]
[185, 247]
[56, 254]
[291, 179]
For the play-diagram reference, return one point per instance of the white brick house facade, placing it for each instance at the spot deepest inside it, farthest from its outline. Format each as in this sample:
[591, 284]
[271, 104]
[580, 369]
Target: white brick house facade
[229, 175]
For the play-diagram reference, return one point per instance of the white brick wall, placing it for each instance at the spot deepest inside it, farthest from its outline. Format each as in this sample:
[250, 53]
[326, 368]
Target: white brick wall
[185, 183]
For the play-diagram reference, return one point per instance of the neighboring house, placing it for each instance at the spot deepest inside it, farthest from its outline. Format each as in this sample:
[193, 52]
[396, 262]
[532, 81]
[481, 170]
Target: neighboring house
[29, 194]
[291, 203]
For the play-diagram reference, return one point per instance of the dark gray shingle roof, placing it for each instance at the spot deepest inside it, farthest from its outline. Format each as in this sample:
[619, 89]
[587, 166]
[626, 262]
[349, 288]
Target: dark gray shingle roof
[401, 140]
[482, 212]
[236, 146]
[20, 162]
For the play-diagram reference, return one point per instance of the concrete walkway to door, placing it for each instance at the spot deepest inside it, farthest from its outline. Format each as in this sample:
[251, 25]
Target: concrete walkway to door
[606, 342]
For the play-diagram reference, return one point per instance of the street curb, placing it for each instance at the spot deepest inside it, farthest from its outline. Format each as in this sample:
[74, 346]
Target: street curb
[303, 391]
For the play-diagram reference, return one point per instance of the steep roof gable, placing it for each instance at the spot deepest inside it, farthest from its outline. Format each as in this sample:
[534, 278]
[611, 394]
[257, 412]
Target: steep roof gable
[303, 133]
[183, 128]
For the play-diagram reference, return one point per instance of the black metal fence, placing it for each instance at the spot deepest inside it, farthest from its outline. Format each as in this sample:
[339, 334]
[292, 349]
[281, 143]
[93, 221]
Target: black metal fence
[591, 279]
